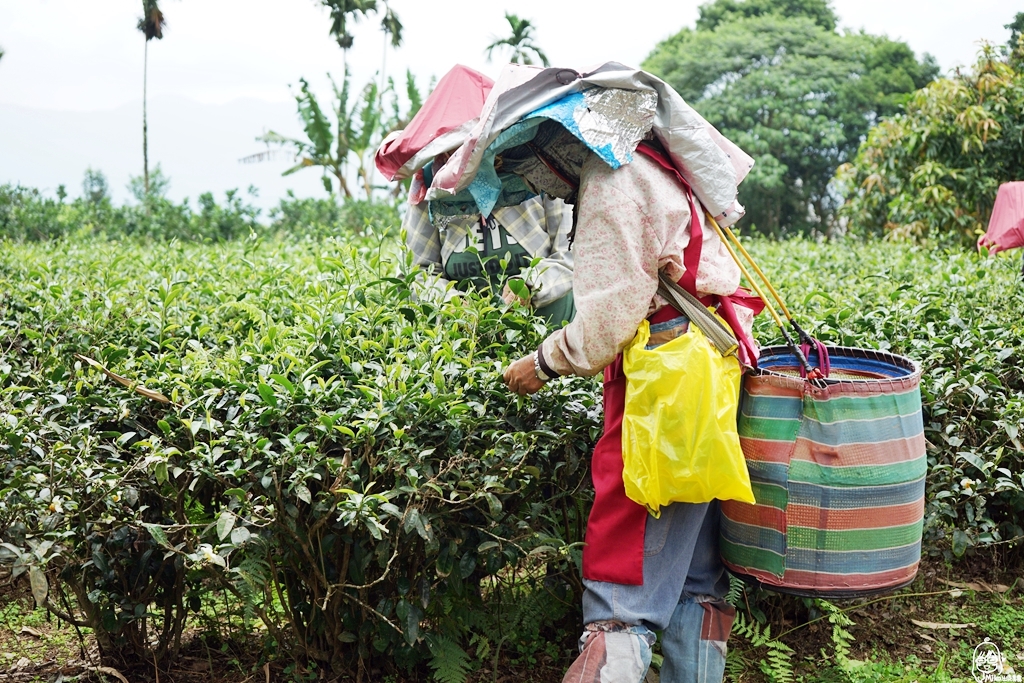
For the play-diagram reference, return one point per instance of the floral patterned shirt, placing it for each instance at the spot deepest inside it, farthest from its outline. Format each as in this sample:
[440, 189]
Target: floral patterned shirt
[632, 222]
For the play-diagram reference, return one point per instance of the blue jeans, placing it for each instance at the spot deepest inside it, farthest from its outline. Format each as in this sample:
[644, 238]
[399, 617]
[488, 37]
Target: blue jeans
[684, 583]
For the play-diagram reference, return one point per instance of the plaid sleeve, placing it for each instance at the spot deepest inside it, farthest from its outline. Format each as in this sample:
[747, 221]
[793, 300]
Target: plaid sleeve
[554, 272]
[542, 227]
[423, 239]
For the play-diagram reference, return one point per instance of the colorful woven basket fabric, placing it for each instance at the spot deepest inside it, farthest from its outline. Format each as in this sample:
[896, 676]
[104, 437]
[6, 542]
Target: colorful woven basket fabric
[837, 467]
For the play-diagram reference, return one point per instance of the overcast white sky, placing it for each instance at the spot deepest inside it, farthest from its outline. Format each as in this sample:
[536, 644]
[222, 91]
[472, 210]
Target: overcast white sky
[86, 56]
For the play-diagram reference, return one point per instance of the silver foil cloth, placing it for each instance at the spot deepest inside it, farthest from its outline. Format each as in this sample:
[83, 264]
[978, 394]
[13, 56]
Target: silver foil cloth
[616, 118]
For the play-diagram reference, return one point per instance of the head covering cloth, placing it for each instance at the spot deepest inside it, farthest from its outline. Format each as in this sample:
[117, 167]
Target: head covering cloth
[609, 110]
[443, 123]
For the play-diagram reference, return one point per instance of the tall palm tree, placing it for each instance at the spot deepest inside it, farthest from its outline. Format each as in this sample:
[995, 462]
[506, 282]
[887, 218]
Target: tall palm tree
[343, 11]
[521, 42]
[340, 11]
[392, 28]
[152, 26]
[391, 25]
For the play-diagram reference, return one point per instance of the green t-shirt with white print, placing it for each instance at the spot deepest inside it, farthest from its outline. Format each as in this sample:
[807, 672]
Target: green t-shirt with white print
[482, 266]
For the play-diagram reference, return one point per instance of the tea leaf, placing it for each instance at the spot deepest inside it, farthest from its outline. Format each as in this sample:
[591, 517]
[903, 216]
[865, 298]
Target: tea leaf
[225, 522]
[158, 534]
[267, 394]
[240, 535]
[40, 586]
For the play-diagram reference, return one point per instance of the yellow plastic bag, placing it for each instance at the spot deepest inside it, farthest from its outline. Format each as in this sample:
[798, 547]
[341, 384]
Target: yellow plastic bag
[679, 438]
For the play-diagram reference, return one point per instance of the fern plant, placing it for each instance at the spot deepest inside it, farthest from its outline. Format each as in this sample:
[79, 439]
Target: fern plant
[449, 661]
[518, 608]
[777, 657]
[736, 665]
[841, 636]
[777, 663]
[251, 577]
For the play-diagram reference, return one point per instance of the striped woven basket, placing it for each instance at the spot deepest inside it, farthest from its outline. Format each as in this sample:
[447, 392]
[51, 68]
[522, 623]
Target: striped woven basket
[838, 473]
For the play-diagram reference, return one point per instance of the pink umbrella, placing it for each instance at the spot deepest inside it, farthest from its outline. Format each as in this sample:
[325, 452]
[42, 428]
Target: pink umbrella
[441, 124]
[1006, 227]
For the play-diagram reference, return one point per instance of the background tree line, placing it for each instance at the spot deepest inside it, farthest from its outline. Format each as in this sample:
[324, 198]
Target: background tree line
[916, 157]
[933, 170]
[777, 77]
[779, 80]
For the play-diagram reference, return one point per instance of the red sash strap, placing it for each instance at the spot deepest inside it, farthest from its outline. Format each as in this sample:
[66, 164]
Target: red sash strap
[614, 550]
[691, 262]
[691, 254]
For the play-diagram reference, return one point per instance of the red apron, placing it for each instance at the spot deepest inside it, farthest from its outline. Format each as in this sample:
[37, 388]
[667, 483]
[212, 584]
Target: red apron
[614, 550]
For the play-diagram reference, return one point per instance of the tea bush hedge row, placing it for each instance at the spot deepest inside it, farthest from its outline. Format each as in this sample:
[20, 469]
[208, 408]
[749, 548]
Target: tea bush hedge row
[28, 215]
[285, 423]
[340, 457]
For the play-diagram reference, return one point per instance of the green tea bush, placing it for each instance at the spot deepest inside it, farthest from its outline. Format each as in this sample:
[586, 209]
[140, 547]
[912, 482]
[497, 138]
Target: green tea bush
[327, 218]
[27, 215]
[288, 423]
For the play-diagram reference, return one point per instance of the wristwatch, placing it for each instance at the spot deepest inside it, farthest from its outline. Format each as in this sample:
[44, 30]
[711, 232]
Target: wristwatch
[541, 375]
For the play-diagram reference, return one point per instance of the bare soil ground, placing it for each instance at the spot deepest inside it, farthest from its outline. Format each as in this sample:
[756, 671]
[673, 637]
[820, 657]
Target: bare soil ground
[933, 625]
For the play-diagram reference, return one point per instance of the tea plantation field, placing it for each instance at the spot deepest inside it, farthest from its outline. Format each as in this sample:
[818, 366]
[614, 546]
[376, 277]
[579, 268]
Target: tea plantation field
[278, 438]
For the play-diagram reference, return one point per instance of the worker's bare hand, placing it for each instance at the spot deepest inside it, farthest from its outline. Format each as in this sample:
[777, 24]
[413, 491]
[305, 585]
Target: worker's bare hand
[508, 296]
[521, 377]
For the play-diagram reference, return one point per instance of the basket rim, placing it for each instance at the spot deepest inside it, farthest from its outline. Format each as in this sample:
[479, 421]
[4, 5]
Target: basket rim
[829, 594]
[913, 367]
